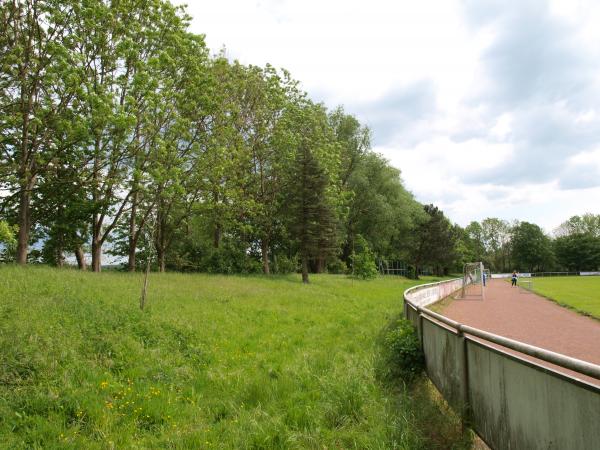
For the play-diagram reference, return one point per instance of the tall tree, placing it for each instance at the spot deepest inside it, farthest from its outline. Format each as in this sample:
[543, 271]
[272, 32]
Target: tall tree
[496, 235]
[435, 242]
[312, 184]
[578, 251]
[531, 248]
[39, 84]
[585, 224]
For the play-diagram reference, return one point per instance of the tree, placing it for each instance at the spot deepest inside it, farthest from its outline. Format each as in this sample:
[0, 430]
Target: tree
[586, 224]
[496, 238]
[435, 242]
[578, 251]
[311, 184]
[531, 248]
[473, 239]
[264, 96]
[363, 260]
[39, 89]
[379, 208]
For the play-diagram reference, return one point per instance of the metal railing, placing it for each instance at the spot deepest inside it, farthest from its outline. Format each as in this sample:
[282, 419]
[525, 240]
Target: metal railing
[506, 398]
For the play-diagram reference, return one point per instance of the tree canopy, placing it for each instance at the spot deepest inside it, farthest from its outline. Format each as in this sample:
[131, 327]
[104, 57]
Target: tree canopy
[120, 133]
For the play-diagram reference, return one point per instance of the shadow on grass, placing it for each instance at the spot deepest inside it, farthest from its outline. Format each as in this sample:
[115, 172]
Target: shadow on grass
[400, 370]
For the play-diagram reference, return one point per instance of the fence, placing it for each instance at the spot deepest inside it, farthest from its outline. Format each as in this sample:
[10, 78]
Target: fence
[510, 401]
[547, 274]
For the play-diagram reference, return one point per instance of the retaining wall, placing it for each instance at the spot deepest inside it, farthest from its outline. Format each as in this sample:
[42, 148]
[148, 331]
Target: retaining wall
[510, 401]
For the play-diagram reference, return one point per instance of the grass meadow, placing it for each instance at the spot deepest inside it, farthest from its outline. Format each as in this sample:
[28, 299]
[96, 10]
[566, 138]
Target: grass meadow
[579, 293]
[213, 362]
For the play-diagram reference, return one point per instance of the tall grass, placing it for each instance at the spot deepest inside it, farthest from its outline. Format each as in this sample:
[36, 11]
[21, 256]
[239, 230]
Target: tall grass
[213, 362]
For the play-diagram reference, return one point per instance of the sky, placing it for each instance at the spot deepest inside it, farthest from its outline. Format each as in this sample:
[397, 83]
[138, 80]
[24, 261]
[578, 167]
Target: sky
[488, 108]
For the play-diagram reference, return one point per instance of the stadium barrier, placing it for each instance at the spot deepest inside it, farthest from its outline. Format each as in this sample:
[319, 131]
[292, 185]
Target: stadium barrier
[546, 274]
[508, 400]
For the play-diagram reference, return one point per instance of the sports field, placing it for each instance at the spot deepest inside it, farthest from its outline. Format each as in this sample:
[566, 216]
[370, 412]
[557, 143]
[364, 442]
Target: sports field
[579, 293]
[213, 362]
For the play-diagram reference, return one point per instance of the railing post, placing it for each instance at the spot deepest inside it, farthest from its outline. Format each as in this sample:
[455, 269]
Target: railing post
[464, 378]
[420, 328]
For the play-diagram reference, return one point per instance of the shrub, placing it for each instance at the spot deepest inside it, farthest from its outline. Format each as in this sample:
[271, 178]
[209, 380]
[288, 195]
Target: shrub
[337, 266]
[8, 243]
[284, 265]
[363, 260]
[400, 354]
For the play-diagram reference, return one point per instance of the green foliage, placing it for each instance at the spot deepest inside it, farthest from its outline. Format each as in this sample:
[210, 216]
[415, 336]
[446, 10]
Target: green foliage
[435, 242]
[531, 248]
[7, 234]
[336, 266]
[578, 251]
[214, 361]
[586, 224]
[400, 356]
[7, 241]
[363, 260]
[132, 121]
[284, 265]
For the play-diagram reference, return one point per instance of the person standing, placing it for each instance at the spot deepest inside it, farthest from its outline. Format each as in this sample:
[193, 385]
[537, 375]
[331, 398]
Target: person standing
[514, 278]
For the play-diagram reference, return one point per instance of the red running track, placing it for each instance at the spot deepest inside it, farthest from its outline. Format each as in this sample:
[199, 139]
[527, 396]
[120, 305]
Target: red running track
[520, 315]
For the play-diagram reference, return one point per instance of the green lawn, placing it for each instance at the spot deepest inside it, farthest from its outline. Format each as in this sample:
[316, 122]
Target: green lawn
[580, 293]
[213, 362]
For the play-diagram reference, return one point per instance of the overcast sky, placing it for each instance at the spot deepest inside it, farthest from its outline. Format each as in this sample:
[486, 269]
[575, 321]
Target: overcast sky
[489, 108]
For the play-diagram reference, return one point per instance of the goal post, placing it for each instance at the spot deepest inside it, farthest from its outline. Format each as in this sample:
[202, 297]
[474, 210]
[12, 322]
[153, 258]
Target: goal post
[473, 280]
[525, 286]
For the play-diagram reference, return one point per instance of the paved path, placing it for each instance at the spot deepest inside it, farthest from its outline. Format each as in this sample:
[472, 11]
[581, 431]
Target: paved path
[517, 314]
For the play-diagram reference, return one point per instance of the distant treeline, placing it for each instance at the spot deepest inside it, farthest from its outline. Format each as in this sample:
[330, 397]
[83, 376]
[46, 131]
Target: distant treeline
[523, 246]
[120, 133]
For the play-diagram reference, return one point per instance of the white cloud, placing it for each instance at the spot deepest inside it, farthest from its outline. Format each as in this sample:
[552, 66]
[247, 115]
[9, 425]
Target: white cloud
[488, 108]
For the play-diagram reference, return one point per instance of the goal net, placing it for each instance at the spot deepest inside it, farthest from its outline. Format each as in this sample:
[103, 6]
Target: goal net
[525, 286]
[473, 280]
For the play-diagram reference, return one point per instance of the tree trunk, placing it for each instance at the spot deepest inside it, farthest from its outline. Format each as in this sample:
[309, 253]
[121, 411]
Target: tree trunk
[305, 269]
[132, 234]
[80, 257]
[160, 256]
[217, 236]
[60, 255]
[264, 247]
[25, 177]
[131, 261]
[145, 288]
[96, 254]
[24, 224]
[160, 243]
[320, 264]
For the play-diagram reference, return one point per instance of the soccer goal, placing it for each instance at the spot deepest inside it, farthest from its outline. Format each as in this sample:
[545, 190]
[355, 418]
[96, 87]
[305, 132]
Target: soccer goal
[525, 286]
[473, 281]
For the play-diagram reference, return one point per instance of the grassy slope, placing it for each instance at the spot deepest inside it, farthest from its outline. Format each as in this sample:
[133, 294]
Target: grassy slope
[580, 293]
[214, 362]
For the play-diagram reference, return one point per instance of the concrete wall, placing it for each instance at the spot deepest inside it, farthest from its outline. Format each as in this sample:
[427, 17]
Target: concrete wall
[519, 405]
[511, 402]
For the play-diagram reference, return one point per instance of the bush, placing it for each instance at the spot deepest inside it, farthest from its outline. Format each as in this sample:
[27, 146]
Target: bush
[337, 266]
[363, 260]
[284, 265]
[8, 243]
[400, 355]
